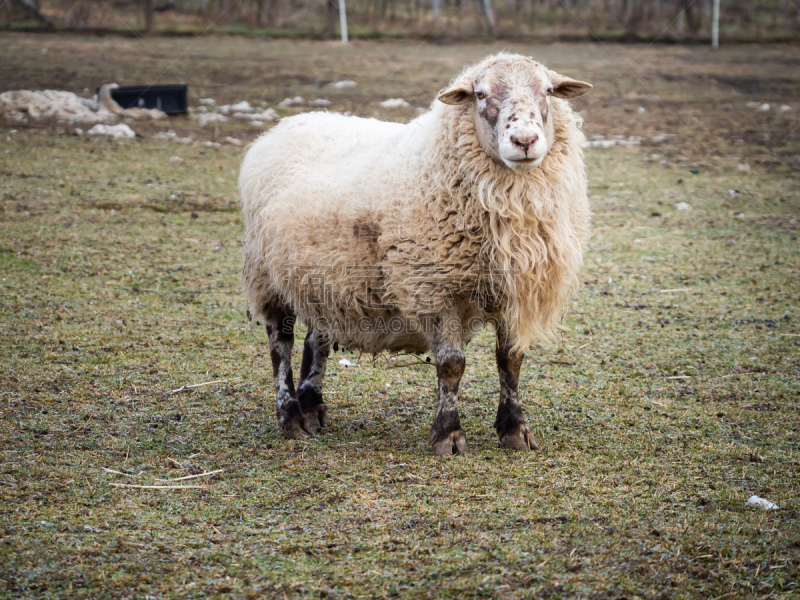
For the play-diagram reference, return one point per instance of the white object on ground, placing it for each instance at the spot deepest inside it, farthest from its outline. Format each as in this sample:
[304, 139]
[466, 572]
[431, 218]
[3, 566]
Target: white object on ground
[116, 131]
[68, 107]
[172, 137]
[757, 502]
[341, 85]
[600, 141]
[204, 119]
[764, 107]
[321, 102]
[291, 101]
[90, 103]
[233, 140]
[268, 115]
[51, 104]
[207, 101]
[683, 206]
[243, 106]
[394, 103]
[346, 363]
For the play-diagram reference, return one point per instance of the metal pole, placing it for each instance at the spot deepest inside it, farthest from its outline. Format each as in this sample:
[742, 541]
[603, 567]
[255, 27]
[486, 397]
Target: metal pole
[343, 21]
[488, 14]
[715, 26]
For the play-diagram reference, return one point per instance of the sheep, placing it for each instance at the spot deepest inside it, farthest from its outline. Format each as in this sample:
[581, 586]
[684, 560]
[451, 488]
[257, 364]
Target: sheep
[411, 237]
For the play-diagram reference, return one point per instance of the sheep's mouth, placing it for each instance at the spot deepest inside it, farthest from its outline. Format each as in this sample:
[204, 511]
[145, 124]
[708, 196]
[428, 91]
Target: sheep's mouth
[528, 161]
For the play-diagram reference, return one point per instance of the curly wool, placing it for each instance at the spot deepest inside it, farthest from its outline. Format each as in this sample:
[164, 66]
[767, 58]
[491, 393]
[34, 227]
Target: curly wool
[445, 228]
[536, 224]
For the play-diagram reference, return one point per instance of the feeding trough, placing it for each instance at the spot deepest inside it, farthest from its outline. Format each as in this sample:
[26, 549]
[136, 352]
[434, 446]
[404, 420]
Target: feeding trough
[168, 98]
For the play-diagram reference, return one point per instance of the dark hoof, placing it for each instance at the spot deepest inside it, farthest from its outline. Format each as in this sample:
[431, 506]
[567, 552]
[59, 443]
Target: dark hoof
[297, 428]
[453, 442]
[519, 438]
[316, 416]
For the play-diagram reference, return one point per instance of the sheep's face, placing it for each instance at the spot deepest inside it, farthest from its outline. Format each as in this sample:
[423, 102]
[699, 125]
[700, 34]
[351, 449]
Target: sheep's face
[511, 98]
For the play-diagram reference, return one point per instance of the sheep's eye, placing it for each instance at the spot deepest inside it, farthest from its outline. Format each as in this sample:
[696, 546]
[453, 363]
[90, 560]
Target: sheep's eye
[549, 90]
[480, 95]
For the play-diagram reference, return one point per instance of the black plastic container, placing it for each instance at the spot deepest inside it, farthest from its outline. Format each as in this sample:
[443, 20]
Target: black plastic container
[169, 98]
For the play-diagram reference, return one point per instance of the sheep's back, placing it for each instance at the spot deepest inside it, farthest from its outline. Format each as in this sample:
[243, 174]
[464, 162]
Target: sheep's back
[313, 191]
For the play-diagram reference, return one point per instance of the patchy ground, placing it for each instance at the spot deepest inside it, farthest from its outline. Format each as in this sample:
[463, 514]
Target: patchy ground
[672, 397]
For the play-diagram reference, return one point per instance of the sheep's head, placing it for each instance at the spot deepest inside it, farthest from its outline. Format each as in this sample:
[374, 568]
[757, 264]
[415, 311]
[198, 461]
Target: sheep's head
[511, 99]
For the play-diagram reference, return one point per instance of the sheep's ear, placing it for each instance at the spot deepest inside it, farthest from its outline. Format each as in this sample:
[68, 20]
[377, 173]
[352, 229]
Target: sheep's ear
[564, 87]
[460, 92]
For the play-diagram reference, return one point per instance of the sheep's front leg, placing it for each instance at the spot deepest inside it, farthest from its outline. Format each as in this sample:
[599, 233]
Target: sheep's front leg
[280, 328]
[312, 371]
[446, 436]
[510, 424]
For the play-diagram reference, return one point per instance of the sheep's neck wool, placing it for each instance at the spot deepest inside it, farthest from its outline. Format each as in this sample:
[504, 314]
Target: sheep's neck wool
[531, 227]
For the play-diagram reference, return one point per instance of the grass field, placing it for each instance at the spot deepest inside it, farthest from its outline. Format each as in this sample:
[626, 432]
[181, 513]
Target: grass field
[671, 398]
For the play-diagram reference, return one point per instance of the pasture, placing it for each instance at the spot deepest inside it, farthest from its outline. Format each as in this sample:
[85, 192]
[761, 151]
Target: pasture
[671, 397]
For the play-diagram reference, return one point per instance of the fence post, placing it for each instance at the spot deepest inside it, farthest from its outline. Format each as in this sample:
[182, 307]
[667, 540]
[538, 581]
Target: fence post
[343, 21]
[715, 26]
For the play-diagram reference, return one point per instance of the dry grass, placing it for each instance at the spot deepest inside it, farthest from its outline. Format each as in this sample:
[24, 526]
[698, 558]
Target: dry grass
[672, 398]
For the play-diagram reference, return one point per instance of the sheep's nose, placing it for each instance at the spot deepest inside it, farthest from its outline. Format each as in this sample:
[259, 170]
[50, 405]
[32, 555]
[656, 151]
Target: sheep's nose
[524, 142]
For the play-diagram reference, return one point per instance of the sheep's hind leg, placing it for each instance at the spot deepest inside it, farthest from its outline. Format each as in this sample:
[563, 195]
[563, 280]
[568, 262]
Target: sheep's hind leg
[446, 435]
[280, 328]
[510, 424]
[312, 371]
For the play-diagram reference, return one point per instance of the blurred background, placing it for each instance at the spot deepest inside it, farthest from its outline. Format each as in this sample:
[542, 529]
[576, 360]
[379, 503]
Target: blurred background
[565, 20]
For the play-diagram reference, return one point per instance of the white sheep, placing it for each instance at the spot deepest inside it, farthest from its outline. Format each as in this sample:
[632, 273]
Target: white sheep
[384, 236]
